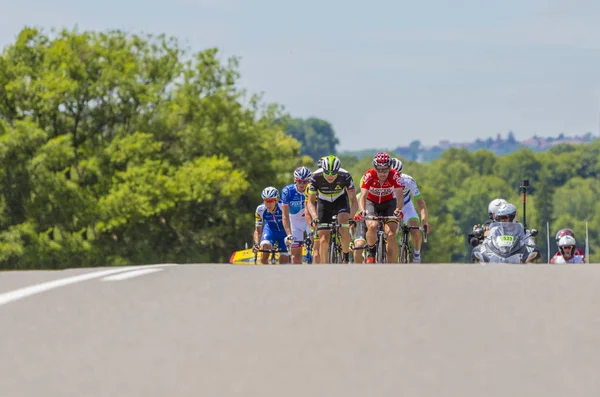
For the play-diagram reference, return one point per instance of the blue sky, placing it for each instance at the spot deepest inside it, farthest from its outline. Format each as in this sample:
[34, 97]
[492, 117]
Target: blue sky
[386, 73]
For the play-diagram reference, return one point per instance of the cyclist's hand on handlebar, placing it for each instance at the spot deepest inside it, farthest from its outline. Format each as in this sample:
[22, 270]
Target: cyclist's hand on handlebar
[315, 222]
[255, 248]
[289, 239]
[351, 223]
[427, 227]
[398, 213]
[359, 217]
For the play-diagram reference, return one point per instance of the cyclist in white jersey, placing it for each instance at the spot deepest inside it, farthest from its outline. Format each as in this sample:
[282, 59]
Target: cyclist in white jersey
[410, 215]
[293, 198]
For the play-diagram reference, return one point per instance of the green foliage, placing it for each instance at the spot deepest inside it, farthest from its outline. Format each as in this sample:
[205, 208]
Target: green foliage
[119, 148]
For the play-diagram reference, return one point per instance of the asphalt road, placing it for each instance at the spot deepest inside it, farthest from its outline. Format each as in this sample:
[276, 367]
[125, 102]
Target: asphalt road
[332, 330]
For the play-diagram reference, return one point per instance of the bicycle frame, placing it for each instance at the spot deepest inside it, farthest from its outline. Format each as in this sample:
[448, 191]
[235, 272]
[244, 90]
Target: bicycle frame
[405, 249]
[335, 247]
[274, 250]
[381, 242]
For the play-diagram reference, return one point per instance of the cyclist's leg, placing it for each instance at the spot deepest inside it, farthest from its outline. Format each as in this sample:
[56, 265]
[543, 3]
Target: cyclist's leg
[267, 240]
[296, 247]
[371, 234]
[390, 229]
[284, 258]
[412, 219]
[324, 212]
[359, 241]
[316, 246]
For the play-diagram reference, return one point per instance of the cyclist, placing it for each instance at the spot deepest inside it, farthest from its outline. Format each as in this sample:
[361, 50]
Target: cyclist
[378, 196]
[568, 251]
[292, 204]
[269, 226]
[410, 215]
[331, 191]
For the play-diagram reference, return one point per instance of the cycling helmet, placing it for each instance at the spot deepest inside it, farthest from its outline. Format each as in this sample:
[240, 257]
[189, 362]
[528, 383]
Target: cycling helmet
[564, 232]
[382, 159]
[270, 192]
[494, 205]
[396, 164]
[331, 163]
[320, 162]
[302, 173]
[567, 241]
[507, 209]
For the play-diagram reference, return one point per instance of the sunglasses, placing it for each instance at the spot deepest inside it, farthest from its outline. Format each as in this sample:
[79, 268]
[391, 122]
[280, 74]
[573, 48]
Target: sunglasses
[301, 181]
[330, 173]
[270, 200]
[382, 170]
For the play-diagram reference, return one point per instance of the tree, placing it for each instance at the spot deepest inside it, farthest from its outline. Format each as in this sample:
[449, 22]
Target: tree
[316, 136]
[121, 148]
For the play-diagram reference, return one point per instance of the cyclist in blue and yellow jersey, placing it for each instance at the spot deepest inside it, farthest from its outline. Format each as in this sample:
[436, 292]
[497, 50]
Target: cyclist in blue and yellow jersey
[269, 226]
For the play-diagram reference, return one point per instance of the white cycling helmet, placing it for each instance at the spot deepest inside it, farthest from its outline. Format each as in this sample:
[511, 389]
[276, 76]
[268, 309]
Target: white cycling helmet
[494, 205]
[270, 192]
[567, 241]
[397, 164]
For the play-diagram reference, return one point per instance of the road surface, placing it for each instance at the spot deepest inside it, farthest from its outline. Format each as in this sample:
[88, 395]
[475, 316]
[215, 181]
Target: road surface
[281, 331]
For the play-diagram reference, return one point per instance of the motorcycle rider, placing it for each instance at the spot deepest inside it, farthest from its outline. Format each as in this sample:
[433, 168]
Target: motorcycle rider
[568, 251]
[480, 230]
[505, 220]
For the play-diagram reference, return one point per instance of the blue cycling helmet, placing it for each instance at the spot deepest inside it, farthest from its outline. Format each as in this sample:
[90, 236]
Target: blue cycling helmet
[302, 173]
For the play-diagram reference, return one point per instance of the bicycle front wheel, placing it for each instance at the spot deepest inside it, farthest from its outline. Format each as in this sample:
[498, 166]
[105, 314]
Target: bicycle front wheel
[404, 253]
[381, 250]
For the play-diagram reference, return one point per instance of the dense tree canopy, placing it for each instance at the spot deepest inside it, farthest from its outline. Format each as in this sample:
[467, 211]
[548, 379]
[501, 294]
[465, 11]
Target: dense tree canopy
[118, 148]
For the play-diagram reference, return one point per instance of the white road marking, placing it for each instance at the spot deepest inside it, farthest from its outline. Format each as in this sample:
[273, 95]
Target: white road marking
[131, 274]
[21, 293]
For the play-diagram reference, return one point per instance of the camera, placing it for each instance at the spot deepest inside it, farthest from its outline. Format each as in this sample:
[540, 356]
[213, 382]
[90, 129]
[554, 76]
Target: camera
[524, 183]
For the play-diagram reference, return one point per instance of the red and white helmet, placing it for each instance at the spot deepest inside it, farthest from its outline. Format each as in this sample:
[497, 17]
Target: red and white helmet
[564, 232]
[382, 159]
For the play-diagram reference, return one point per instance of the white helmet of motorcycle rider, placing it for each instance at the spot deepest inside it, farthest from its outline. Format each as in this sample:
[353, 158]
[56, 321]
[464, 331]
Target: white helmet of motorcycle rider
[506, 213]
[494, 205]
[567, 242]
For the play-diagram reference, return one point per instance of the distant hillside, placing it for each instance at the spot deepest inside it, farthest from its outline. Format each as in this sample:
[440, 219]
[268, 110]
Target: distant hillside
[416, 152]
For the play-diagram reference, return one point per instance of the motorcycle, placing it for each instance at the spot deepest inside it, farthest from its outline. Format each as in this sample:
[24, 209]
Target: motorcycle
[507, 242]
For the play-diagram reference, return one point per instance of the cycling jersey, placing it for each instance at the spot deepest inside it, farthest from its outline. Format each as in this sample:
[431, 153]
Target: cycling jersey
[330, 191]
[271, 221]
[291, 197]
[410, 187]
[381, 192]
[578, 257]
[296, 201]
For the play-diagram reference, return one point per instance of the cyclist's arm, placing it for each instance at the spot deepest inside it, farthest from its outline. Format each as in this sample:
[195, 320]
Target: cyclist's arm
[362, 202]
[353, 201]
[399, 197]
[423, 210]
[257, 233]
[285, 217]
[312, 207]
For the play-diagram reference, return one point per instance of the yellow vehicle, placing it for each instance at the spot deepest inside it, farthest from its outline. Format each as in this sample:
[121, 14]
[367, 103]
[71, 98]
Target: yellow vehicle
[246, 257]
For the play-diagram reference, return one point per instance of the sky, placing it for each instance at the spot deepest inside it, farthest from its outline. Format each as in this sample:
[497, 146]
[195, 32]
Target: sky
[383, 73]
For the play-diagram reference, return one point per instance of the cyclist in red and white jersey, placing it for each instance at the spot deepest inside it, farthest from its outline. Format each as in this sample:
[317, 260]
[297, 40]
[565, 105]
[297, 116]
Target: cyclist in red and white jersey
[380, 187]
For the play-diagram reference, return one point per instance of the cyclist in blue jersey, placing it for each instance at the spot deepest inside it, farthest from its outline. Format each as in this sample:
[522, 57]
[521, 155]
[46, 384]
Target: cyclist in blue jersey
[293, 197]
[269, 226]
